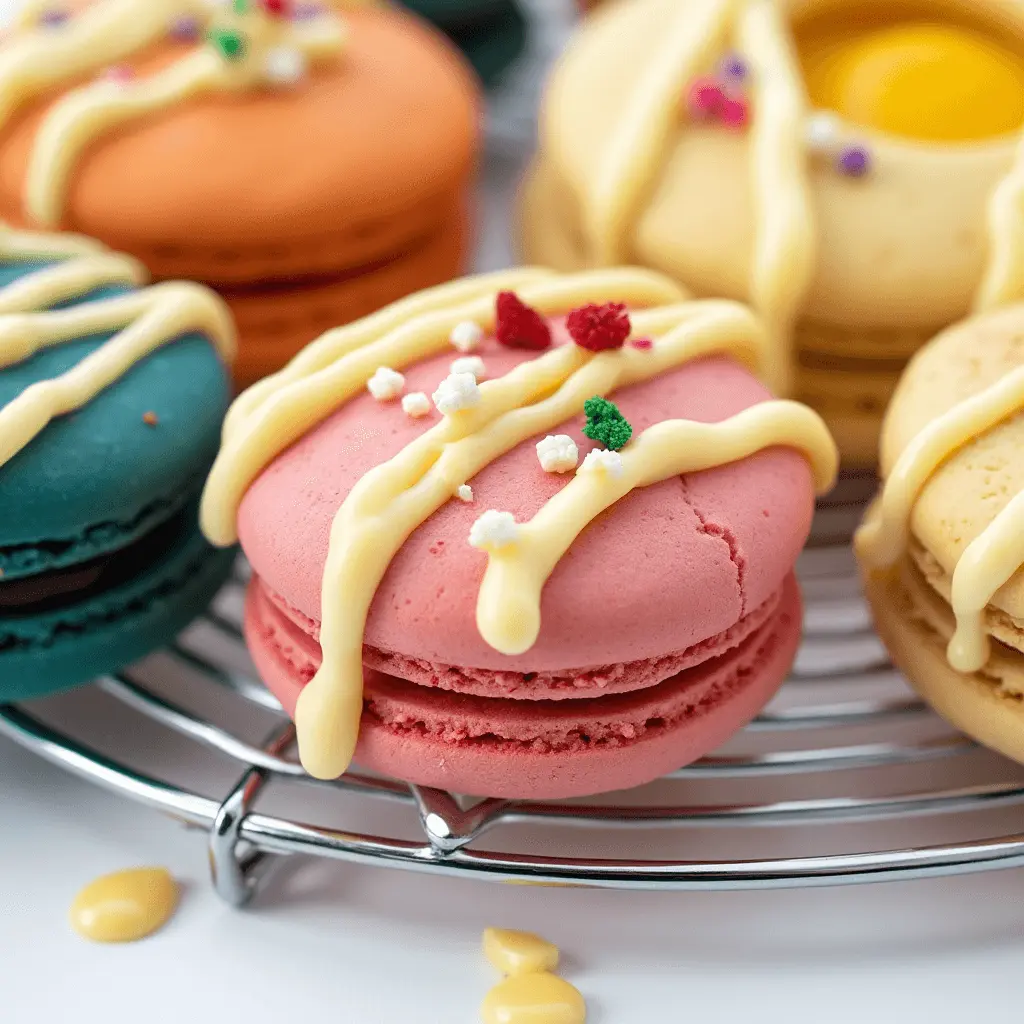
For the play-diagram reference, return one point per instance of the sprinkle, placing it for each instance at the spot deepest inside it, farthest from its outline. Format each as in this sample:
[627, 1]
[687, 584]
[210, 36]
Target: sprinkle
[704, 97]
[285, 65]
[597, 328]
[558, 453]
[307, 12]
[416, 404]
[734, 112]
[466, 336]
[854, 162]
[605, 423]
[464, 493]
[150, 419]
[733, 68]
[228, 43]
[456, 392]
[119, 74]
[494, 530]
[520, 326]
[54, 17]
[470, 364]
[602, 460]
[644, 344]
[185, 29]
[385, 384]
[240, 6]
[278, 8]
[822, 131]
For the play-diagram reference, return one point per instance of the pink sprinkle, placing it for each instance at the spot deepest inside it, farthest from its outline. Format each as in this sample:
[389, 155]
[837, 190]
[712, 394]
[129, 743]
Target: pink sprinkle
[118, 74]
[705, 97]
[642, 343]
[734, 113]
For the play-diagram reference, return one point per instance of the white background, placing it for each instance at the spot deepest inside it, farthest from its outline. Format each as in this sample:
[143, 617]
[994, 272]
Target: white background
[368, 946]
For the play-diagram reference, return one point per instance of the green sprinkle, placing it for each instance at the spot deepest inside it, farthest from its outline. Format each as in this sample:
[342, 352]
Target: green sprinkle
[241, 6]
[606, 424]
[230, 44]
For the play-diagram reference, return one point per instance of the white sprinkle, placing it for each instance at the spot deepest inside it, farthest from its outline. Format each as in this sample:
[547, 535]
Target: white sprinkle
[385, 384]
[416, 404]
[464, 493]
[284, 65]
[822, 131]
[457, 391]
[470, 364]
[466, 336]
[603, 460]
[558, 453]
[494, 530]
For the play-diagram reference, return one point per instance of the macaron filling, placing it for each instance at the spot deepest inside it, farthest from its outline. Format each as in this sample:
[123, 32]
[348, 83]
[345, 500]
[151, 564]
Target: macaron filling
[59, 588]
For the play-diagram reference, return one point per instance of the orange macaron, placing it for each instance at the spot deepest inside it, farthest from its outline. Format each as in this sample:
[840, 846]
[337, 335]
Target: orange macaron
[311, 163]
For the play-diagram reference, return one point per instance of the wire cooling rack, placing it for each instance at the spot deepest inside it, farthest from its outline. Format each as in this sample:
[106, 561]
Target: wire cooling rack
[794, 768]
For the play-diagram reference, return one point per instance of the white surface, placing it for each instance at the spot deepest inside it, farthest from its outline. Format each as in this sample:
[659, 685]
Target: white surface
[364, 946]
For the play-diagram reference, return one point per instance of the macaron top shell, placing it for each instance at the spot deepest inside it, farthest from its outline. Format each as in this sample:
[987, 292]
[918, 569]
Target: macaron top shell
[96, 479]
[966, 493]
[666, 567]
[373, 140]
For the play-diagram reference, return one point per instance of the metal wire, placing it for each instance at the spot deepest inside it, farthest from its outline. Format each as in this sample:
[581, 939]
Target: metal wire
[839, 650]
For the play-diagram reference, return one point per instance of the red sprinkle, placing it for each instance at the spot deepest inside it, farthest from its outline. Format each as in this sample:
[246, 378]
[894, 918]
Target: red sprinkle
[150, 419]
[644, 343]
[278, 8]
[705, 97]
[734, 112]
[520, 326]
[597, 328]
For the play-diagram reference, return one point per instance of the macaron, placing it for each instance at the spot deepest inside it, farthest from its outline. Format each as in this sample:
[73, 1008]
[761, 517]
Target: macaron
[111, 400]
[941, 547]
[322, 154]
[850, 169]
[524, 535]
[491, 33]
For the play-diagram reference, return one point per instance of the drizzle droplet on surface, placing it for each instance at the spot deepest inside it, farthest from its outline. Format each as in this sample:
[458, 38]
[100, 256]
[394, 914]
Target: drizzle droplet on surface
[126, 906]
[533, 999]
[516, 953]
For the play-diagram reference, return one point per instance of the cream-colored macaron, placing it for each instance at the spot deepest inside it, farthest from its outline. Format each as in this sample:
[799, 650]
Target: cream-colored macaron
[865, 204]
[943, 531]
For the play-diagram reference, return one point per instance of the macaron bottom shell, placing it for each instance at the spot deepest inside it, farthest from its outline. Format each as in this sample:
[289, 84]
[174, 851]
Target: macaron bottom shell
[520, 749]
[59, 649]
[915, 626]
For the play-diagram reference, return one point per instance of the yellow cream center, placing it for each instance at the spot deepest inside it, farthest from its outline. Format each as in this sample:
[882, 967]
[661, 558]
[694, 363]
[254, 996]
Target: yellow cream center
[919, 79]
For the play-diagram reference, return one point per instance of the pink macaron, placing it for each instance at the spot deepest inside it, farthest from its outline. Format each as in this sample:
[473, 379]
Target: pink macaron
[668, 623]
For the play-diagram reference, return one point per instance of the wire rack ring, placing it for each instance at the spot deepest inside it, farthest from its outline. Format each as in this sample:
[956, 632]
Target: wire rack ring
[839, 647]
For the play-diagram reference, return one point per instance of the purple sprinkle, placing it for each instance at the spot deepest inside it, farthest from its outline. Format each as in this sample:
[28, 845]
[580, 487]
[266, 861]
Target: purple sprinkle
[307, 12]
[186, 28]
[733, 68]
[54, 17]
[854, 162]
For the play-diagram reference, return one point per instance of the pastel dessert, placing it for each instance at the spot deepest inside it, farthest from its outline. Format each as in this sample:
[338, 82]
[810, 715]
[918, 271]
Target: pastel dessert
[491, 33]
[311, 162]
[111, 401]
[942, 548]
[853, 169]
[474, 569]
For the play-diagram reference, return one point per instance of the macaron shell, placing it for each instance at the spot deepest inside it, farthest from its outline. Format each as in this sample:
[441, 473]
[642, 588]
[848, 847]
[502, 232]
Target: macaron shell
[976, 482]
[312, 162]
[663, 569]
[55, 651]
[98, 478]
[557, 750]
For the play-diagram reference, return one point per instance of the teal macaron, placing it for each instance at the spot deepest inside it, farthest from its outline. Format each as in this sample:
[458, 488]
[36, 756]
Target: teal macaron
[491, 33]
[112, 396]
